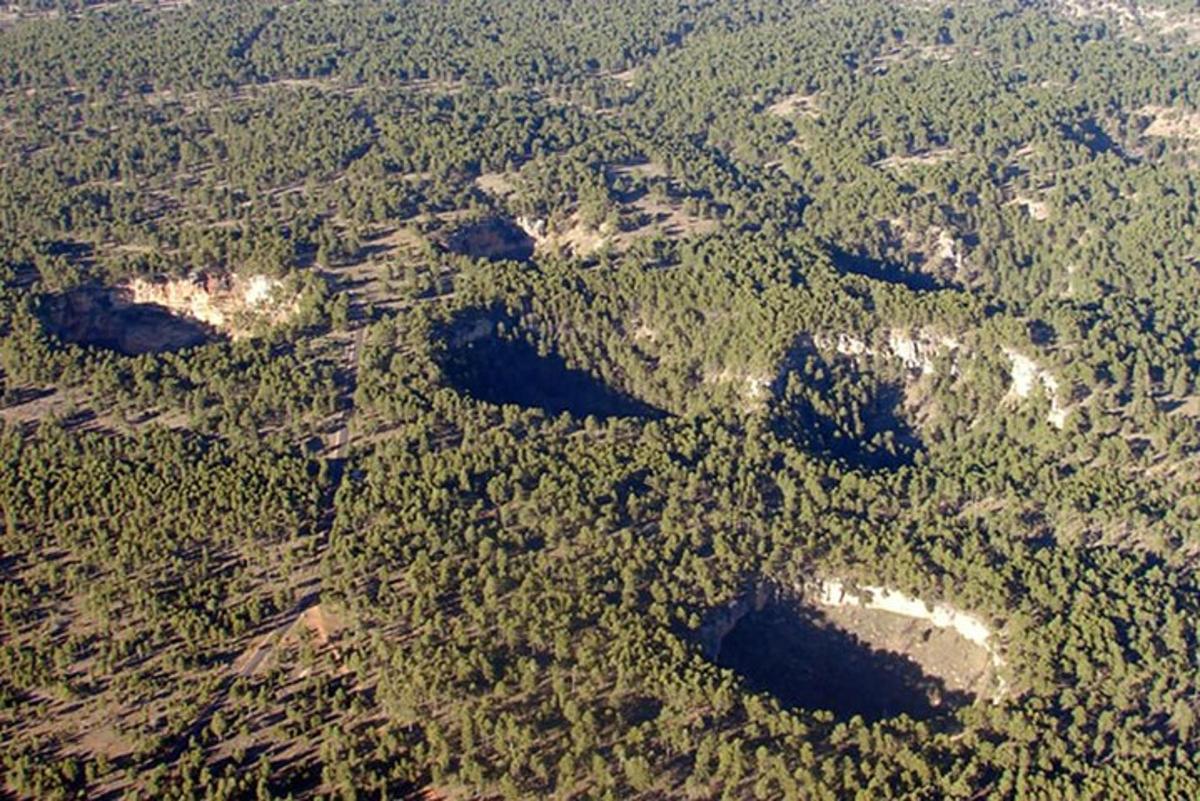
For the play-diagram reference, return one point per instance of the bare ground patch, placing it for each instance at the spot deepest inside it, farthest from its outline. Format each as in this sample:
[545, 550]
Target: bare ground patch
[497, 184]
[644, 169]
[924, 159]
[1037, 209]
[909, 53]
[644, 218]
[1176, 22]
[627, 77]
[1168, 122]
[643, 213]
[314, 623]
[1189, 407]
[670, 218]
[105, 740]
[934, 251]
[797, 104]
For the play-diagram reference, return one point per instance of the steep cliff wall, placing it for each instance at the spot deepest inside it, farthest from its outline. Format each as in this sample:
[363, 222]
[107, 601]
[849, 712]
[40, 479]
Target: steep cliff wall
[956, 646]
[232, 305]
[834, 593]
[918, 351]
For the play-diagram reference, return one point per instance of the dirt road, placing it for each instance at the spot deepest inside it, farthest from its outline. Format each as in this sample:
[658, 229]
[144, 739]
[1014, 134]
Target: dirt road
[340, 439]
[252, 659]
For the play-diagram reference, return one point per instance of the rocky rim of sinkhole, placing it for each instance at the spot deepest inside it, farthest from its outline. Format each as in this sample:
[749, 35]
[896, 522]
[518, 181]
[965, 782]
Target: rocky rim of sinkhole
[163, 314]
[827, 644]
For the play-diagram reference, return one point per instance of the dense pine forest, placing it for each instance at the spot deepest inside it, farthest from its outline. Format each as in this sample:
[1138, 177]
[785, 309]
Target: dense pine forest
[642, 399]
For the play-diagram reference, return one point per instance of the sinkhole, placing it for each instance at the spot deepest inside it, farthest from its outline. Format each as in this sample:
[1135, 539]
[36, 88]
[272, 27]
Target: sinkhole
[493, 361]
[494, 239]
[108, 319]
[848, 659]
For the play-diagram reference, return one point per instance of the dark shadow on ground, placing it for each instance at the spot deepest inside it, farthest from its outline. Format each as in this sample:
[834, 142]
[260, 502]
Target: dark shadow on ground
[833, 408]
[99, 318]
[890, 272]
[18, 396]
[1090, 134]
[495, 239]
[798, 656]
[498, 365]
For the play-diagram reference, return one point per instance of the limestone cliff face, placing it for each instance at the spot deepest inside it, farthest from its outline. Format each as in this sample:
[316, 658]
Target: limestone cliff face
[1026, 374]
[919, 350]
[232, 305]
[833, 592]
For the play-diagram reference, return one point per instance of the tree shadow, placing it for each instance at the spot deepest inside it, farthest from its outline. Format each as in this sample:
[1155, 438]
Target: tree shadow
[1091, 135]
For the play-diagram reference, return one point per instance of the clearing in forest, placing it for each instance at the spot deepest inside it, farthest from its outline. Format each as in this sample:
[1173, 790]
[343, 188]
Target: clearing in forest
[1168, 122]
[797, 104]
[926, 158]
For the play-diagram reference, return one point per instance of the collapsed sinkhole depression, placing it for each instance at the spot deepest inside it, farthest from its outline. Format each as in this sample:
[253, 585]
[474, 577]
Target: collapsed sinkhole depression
[850, 658]
[107, 318]
[489, 358]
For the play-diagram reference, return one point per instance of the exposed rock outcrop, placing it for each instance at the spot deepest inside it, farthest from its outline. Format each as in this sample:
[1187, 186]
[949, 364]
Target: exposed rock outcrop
[917, 351]
[835, 592]
[1027, 374]
[230, 304]
[985, 677]
[533, 227]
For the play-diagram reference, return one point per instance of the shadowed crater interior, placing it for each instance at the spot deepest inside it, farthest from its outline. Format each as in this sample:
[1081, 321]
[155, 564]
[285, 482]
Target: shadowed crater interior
[105, 318]
[807, 660]
[830, 406]
[909, 276]
[491, 360]
[495, 239]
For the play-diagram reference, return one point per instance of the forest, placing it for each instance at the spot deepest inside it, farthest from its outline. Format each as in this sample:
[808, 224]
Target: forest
[722, 399]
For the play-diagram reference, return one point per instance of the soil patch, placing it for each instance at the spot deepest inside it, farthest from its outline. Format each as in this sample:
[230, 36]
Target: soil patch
[1171, 123]
[627, 77]
[497, 184]
[796, 105]
[927, 158]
